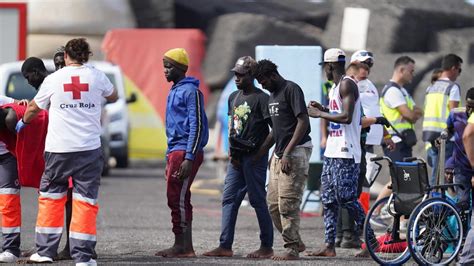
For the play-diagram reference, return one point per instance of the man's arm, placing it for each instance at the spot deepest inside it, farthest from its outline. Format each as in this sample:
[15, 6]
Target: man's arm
[31, 111]
[348, 91]
[10, 120]
[453, 104]
[300, 130]
[196, 126]
[410, 115]
[112, 97]
[468, 141]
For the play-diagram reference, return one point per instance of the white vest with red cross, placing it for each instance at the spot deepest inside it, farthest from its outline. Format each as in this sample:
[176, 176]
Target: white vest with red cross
[74, 96]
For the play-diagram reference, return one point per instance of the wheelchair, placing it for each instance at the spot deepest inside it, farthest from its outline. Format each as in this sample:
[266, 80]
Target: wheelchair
[427, 215]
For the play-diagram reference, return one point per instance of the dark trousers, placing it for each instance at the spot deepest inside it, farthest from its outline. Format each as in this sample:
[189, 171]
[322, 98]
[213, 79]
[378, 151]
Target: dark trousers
[248, 178]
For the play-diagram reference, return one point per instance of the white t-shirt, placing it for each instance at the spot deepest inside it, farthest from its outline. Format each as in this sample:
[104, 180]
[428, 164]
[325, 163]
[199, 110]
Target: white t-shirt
[395, 97]
[74, 96]
[455, 93]
[369, 98]
[4, 100]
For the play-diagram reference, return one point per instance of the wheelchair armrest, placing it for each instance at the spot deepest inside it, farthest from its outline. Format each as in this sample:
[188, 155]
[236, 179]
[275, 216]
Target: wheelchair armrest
[446, 186]
[410, 159]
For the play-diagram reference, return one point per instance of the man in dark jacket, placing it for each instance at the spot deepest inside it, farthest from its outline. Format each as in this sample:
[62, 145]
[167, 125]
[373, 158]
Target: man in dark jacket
[187, 132]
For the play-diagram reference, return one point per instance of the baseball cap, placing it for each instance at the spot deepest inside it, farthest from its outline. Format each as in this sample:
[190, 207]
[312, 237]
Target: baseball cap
[334, 55]
[361, 56]
[244, 64]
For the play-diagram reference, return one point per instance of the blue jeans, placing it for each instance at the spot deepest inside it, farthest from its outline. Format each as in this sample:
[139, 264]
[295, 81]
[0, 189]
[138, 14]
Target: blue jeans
[432, 158]
[248, 178]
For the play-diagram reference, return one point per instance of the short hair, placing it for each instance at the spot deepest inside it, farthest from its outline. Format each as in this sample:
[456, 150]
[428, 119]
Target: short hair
[264, 68]
[435, 75]
[33, 64]
[402, 61]
[450, 60]
[59, 52]
[78, 49]
[470, 94]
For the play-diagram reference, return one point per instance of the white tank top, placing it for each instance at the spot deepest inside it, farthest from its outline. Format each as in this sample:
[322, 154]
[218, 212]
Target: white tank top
[344, 139]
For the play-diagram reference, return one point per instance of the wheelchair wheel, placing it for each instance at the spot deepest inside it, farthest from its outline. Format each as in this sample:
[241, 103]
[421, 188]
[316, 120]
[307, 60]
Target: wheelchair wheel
[434, 232]
[388, 248]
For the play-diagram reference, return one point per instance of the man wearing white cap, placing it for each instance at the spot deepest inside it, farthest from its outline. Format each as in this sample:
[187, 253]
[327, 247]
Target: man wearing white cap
[343, 152]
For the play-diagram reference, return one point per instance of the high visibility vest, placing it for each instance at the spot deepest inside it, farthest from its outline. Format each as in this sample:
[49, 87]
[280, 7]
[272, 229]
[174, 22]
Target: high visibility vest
[436, 109]
[392, 114]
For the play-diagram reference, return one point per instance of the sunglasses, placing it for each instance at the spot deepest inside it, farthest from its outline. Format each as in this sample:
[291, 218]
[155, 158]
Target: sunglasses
[368, 62]
[365, 53]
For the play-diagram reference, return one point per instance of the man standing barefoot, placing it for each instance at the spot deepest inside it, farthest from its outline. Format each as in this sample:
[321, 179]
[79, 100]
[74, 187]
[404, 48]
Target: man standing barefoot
[247, 169]
[187, 132]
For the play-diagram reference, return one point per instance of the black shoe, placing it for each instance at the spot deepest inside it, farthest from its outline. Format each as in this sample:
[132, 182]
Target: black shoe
[337, 244]
[352, 242]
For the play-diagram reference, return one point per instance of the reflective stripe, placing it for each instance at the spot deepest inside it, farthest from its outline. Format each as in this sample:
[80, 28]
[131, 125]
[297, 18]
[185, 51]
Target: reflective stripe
[54, 196]
[8, 191]
[50, 212]
[49, 230]
[77, 196]
[82, 236]
[435, 119]
[84, 217]
[11, 230]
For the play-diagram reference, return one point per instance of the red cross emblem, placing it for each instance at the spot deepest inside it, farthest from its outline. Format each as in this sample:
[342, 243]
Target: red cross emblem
[76, 87]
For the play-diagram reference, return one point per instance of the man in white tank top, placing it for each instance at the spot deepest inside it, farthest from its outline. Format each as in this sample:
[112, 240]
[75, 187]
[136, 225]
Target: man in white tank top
[343, 152]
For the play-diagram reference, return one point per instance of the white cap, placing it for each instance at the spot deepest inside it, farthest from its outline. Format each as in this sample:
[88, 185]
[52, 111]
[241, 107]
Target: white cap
[334, 55]
[361, 56]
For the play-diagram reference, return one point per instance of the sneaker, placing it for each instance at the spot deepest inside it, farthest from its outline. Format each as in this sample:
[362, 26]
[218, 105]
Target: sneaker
[7, 257]
[91, 262]
[351, 242]
[40, 259]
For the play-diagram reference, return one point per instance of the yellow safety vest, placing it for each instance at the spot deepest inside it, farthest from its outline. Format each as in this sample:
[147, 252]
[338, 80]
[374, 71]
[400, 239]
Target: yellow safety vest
[436, 109]
[392, 114]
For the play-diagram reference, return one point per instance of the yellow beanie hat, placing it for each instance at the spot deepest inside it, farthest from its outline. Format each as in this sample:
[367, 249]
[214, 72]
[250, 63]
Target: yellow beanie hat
[178, 57]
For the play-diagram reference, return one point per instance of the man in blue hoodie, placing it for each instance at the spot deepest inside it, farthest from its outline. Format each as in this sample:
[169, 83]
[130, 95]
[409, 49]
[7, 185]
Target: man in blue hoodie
[187, 132]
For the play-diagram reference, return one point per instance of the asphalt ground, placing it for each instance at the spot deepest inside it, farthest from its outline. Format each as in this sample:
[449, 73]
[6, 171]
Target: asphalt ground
[134, 222]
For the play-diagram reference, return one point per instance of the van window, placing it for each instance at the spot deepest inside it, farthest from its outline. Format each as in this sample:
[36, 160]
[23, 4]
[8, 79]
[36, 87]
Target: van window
[18, 87]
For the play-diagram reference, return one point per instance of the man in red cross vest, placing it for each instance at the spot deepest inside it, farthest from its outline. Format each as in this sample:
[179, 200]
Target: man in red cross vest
[74, 97]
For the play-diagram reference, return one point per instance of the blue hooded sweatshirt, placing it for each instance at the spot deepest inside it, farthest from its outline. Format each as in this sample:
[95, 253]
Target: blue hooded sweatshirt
[186, 121]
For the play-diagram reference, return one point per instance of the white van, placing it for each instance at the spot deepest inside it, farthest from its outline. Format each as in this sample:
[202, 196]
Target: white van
[116, 125]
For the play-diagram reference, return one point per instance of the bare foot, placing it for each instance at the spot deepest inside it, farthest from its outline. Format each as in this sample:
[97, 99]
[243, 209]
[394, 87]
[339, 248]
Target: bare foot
[165, 251]
[289, 255]
[219, 252]
[324, 252]
[261, 253]
[364, 253]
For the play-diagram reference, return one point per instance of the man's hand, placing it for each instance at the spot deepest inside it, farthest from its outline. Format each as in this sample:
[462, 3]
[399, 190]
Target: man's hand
[184, 170]
[323, 142]
[286, 164]
[20, 125]
[382, 121]
[389, 143]
[315, 104]
[314, 112]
